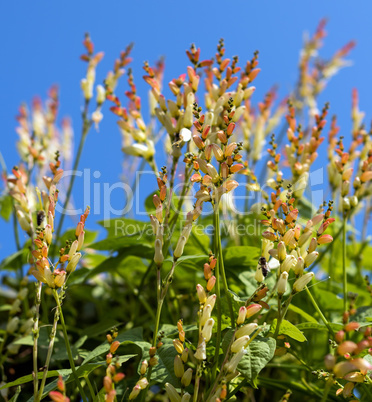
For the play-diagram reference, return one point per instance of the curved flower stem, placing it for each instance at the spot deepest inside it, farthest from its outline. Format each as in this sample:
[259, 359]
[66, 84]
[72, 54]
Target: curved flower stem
[344, 274]
[68, 347]
[161, 293]
[218, 291]
[197, 382]
[49, 355]
[322, 317]
[279, 320]
[281, 316]
[86, 127]
[36, 336]
[221, 265]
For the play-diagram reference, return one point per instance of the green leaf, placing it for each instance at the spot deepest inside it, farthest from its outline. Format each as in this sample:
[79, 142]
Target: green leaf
[318, 327]
[164, 370]
[362, 315]
[6, 206]
[328, 301]
[15, 260]
[260, 352]
[241, 258]
[100, 328]
[133, 335]
[89, 236]
[287, 328]
[302, 313]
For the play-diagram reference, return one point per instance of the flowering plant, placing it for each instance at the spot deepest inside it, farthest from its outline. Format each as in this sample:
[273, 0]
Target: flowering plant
[193, 304]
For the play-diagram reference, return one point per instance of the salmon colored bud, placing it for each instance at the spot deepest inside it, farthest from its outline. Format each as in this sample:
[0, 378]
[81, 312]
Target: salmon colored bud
[362, 364]
[187, 377]
[346, 347]
[109, 338]
[118, 377]
[324, 239]
[198, 141]
[206, 132]
[236, 168]
[292, 216]
[80, 240]
[56, 396]
[253, 74]
[207, 271]
[179, 369]
[114, 346]
[107, 383]
[178, 345]
[211, 283]
[231, 185]
[196, 178]
[252, 309]
[61, 384]
[366, 176]
[222, 137]
[346, 175]
[351, 326]
[230, 128]
[242, 315]
[71, 266]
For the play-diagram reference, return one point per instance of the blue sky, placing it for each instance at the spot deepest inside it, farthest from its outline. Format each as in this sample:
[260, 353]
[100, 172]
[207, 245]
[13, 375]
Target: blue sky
[40, 45]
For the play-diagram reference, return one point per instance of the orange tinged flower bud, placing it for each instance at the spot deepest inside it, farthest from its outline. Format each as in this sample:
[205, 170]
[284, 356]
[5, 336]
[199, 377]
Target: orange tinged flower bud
[114, 346]
[211, 283]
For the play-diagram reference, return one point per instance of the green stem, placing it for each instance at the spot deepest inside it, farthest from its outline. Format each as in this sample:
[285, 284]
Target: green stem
[36, 336]
[86, 126]
[281, 316]
[327, 388]
[91, 390]
[344, 262]
[68, 347]
[197, 382]
[279, 320]
[49, 354]
[222, 267]
[322, 317]
[218, 293]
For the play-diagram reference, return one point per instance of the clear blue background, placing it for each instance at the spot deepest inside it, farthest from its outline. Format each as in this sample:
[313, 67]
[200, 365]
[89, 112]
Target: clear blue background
[40, 45]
